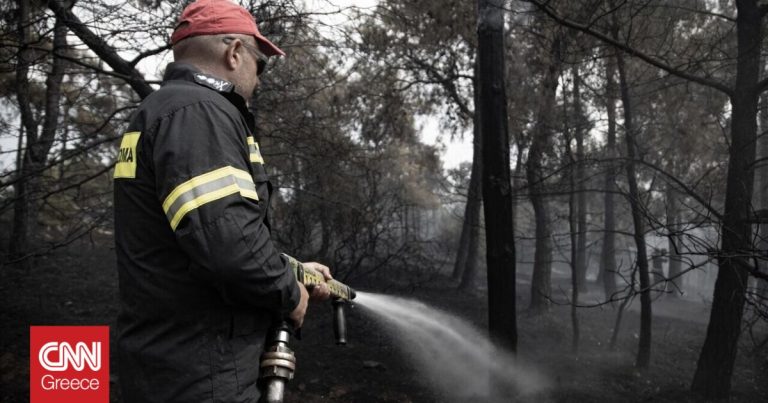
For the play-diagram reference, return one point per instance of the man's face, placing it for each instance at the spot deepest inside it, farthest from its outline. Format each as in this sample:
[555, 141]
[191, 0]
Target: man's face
[253, 63]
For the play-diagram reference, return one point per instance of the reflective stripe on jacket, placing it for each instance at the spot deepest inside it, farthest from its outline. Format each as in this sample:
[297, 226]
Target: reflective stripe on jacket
[200, 279]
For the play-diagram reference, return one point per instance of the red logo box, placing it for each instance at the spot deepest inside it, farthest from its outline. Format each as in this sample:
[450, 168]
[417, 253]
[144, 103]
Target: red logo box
[69, 364]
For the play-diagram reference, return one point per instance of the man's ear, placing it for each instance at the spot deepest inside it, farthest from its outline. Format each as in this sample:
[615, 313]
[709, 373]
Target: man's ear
[233, 57]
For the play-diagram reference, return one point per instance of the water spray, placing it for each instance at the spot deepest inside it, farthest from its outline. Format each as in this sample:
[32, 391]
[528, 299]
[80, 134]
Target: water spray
[278, 362]
[453, 355]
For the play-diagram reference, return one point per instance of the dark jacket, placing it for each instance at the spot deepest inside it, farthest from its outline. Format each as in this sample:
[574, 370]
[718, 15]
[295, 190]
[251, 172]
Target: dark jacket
[200, 279]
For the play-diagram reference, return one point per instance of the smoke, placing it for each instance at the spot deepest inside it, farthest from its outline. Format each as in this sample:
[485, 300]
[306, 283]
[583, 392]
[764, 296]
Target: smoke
[454, 355]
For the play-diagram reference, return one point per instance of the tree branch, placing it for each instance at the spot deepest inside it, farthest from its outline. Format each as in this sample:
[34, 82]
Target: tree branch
[64, 156]
[629, 50]
[446, 82]
[39, 150]
[101, 48]
[148, 53]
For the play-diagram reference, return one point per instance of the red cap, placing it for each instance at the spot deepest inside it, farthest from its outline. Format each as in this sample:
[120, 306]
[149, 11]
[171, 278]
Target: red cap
[212, 17]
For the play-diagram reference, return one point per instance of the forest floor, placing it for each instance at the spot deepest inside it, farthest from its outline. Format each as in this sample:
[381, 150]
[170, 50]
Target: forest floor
[78, 285]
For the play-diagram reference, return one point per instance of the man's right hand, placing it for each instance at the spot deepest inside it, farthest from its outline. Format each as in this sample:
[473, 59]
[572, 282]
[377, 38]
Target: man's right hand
[297, 316]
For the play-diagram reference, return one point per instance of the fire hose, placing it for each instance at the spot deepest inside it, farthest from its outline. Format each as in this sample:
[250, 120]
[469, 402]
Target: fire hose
[278, 362]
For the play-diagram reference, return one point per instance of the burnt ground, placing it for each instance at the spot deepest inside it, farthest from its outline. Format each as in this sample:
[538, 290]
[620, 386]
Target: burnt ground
[78, 285]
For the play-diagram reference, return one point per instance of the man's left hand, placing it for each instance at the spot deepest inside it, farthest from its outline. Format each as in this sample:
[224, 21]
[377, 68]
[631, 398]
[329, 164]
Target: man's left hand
[320, 292]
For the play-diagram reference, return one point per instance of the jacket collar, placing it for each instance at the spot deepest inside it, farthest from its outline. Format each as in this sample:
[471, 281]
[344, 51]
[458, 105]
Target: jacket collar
[187, 72]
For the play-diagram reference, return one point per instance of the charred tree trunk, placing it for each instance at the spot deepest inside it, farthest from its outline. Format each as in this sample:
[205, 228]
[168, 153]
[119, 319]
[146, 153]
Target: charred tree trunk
[461, 253]
[326, 230]
[574, 227]
[19, 236]
[608, 254]
[517, 183]
[470, 266]
[579, 180]
[644, 344]
[762, 190]
[715, 365]
[466, 257]
[542, 262]
[39, 143]
[620, 313]
[497, 192]
[325, 245]
[673, 221]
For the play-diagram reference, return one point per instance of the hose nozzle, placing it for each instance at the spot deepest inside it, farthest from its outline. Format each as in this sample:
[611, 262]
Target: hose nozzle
[341, 294]
[311, 278]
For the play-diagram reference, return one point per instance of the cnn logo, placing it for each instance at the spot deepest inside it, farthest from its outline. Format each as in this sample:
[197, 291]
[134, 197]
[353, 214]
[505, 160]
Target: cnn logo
[77, 357]
[69, 364]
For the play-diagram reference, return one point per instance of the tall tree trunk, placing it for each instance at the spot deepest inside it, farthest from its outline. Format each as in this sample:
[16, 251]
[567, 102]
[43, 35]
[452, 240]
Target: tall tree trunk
[542, 261]
[580, 178]
[326, 230]
[29, 185]
[673, 226]
[469, 274]
[461, 253]
[325, 245]
[18, 242]
[468, 243]
[573, 226]
[19, 190]
[715, 365]
[497, 192]
[762, 190]
[608, 254]
[620, 312]
[644, 344]
[517, 183]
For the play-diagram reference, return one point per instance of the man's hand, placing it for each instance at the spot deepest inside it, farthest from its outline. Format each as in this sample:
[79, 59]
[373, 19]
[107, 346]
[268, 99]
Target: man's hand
[320, 292]
[297, 316]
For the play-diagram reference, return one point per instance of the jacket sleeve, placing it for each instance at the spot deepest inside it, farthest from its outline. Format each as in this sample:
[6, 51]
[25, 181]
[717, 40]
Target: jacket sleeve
[203, 181]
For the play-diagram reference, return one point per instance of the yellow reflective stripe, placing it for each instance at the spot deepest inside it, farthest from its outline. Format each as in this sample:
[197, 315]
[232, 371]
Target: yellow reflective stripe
[255, 151]
[199, 201]
[201, 180]
[206, 188]
[251, 194]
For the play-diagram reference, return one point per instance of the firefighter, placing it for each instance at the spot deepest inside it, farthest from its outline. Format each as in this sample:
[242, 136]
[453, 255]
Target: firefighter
[201, 280]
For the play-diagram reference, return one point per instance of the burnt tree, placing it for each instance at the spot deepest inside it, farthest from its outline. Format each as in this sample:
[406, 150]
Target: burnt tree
[540, 142]
[608, 266]
[28, 186]
[497, 189]
[579, 185]
[644, 343]
[465, 268]
[718, 355]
